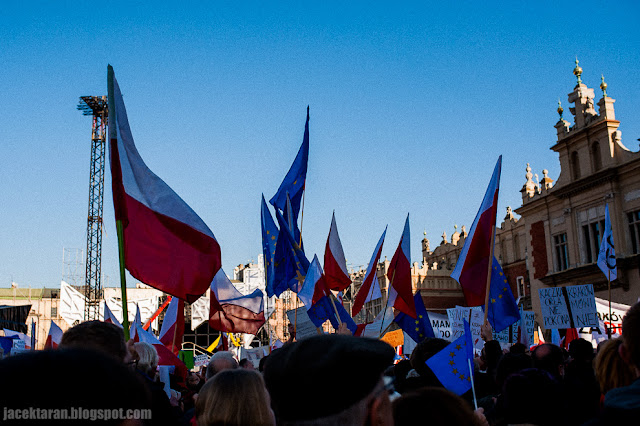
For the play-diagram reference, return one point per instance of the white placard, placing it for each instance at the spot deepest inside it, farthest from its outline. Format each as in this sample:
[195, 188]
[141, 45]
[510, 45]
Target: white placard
[580, 312]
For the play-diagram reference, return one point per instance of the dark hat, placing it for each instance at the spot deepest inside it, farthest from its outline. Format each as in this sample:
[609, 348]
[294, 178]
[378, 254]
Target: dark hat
[324, 375]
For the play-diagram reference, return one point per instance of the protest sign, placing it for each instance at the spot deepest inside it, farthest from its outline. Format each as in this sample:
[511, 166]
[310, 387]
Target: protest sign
[441, 326]
[201, 360]
[304, 327]
[457, 316]
[509, 335]
[568, 307]
[599, 333]
[254, 354]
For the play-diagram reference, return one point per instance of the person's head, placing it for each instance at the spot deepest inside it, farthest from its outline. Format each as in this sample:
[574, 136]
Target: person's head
[442, 407]
[532, 396]
[342, 379]
[193, 381]
[101, 336]
[549, 357]
[246, 364]
[611, 370]
[220, 361]
[147, 358]
[518, 348]
[510, 364]
[421, 353]
[234, 397]
[581, 351]
[70, 378]
[630, 348]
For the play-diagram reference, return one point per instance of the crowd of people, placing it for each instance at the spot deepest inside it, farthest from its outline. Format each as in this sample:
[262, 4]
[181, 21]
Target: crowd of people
[333, 379]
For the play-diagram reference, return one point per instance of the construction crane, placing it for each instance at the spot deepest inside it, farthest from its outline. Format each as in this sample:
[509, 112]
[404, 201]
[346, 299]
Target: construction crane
[96, 106]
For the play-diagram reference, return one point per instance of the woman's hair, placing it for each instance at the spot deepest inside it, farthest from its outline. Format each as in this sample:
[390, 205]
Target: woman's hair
[611, 370]
[147, 358]
[234, 397]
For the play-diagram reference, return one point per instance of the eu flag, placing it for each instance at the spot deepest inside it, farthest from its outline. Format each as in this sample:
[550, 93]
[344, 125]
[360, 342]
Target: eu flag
[290, 263]
[417, 328]
[293, 182]
[269, 238]
[451, 365]
[503, 310]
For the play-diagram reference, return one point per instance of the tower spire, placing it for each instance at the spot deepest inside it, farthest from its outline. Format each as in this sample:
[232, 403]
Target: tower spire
[577, 71]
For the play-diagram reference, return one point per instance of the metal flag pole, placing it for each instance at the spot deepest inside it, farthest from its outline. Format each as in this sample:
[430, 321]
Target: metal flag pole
[609, 286]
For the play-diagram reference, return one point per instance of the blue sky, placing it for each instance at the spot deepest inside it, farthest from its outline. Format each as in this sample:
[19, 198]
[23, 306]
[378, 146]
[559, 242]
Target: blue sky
[411, 105]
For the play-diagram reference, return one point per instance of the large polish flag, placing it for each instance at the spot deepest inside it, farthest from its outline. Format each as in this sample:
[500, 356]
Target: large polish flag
[173, 326]
[109, 317]
[335, 264]
[399, 275]
[367, 290]
[54, 337]
[166, 244]
[233, 312]
[473, 264]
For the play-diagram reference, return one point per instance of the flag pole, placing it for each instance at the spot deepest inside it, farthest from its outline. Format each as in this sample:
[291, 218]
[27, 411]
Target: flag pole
[473, 387]
[386, 305]
[334, 307]
[609, 286]
[119, 227]
[486, 295]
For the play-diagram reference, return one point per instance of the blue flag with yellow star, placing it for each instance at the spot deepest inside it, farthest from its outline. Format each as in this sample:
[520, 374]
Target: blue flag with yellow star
[417, 328]
[503, 310]
[269, 238]
[290, 263]
[293, 182]
[451, 365]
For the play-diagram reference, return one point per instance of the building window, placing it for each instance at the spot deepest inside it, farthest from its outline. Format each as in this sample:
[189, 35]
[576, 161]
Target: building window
[596, 157]
[562, 254]
[54, 312]
[592, 233]
[575, 165]
[520, 284]
[634, 230]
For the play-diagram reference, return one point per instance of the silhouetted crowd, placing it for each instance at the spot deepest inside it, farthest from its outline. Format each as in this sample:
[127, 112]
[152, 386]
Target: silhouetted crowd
[331, 379]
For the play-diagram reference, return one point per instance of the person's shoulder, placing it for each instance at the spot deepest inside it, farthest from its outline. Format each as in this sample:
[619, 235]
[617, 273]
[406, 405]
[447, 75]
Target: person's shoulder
[625, 398]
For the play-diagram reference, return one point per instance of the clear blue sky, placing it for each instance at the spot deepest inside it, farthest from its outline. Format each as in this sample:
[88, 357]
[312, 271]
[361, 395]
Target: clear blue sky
[411, 104]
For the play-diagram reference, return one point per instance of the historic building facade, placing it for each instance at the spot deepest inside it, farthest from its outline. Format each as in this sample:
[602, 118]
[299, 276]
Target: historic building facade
[564, 222]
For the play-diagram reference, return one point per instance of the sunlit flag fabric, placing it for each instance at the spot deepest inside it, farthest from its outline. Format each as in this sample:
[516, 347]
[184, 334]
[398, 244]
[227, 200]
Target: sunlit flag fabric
[269, 238]
[26, 339]
[369, 288]
[473, 263]
[233, 312]
[503, 309]
[290, 263]
[335, 264]
[54, 337]
[294, 181]
[172, 328]
[109, 317]
[399, 274]
[165, 356]
[417, 328]
[166, 244]
[451, 365]
[316, 296]
[607, 254]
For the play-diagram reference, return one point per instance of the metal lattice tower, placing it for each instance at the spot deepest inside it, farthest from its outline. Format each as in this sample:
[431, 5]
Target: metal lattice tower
[95, 106]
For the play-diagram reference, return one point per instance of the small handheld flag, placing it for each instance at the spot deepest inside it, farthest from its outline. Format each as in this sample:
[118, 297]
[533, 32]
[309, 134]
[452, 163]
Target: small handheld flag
[451, 365]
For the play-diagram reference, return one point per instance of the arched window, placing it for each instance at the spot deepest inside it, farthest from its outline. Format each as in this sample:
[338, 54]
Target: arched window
[596, 156]
[575, 165]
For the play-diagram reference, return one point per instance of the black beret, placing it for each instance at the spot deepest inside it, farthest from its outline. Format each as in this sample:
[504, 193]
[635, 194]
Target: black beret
[324, 375]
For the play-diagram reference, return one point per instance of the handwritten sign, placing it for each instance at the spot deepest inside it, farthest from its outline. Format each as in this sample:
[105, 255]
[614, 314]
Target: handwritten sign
[201, 360]
[457, 316]
[605, 322]
[568, 307]
[304, 327]
[254, 354]
[441, 326]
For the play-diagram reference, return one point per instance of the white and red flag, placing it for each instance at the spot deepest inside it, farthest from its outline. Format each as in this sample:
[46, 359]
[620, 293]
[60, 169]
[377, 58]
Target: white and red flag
[472, 267]
[173, 325]
[335, 264]
[109, 317]
[54, 337]
[166, 244]
[137, 320]
[233, 312]
[370, 287]
[399, 274]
